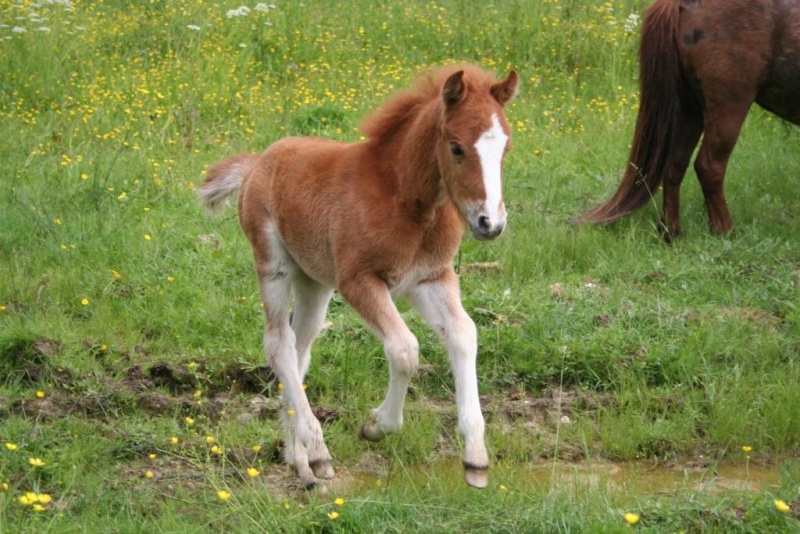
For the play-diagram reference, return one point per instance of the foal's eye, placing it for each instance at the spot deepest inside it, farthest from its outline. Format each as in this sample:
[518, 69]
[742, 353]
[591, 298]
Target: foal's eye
[456, 149]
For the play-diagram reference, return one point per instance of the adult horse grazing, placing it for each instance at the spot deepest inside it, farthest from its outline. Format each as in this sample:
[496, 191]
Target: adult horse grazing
[702, 65]
[376, 220]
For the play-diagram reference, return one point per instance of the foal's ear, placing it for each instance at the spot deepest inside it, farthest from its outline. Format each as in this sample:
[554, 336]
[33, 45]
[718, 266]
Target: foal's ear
[506, 90]
[454, 90]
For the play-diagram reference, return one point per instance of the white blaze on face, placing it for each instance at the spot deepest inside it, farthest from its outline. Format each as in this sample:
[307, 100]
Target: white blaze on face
[491, 146]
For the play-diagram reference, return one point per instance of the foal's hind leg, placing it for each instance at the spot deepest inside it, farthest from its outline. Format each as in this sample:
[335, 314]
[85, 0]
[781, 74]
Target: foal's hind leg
[722, 126]
[308, 316]
[689, 128]
[439, 303]
[303, 432]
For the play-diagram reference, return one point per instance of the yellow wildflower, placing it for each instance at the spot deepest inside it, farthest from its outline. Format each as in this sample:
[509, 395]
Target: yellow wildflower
[116, 275]
[216, 450]
[290, 412]
[38, 508]
[631, 518]
[147, 237]
[11, 446]
[209, 439]
[746, 448]
[40, 394]
[5, 486]
[198, 394]
[85, 301]
[45, 498]
[149, 474]
[782, 506]
[503, 488]
[252, 472]
[339, 501]
[256, 448]
[36, 462]
[189, 421]
[153, 456]
[333, 516]
[223, 495]
[173, 440]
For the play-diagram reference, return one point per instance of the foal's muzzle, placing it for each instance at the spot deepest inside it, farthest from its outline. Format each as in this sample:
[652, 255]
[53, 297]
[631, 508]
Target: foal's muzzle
[484, 226]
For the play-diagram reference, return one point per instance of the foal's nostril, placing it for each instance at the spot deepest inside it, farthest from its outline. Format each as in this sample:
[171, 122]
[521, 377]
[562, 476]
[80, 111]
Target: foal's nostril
[484, 223]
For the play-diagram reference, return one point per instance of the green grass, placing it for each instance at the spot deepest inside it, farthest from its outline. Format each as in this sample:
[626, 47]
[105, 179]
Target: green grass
[121, 299]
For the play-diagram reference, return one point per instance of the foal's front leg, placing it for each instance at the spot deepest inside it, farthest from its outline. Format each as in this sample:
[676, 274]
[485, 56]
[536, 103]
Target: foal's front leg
[370, 297]
[439, 303]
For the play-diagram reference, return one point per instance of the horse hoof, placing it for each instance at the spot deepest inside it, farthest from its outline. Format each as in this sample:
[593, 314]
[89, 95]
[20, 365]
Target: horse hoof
[477, 477]
[322, 469]
[369, 432]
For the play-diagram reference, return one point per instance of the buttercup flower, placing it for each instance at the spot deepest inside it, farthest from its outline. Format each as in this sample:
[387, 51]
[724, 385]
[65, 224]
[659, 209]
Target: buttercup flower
[223, 495]
[11, 446]
[173, 440]
[339, 501]
[36, 462]
[149, 474]
[189, 421]
[746, 448]
[781, 506]
[252, 472]
[40, 394]
[333, 515]
[256, 448]
[631, 518]
[209, 440]
[216, 450]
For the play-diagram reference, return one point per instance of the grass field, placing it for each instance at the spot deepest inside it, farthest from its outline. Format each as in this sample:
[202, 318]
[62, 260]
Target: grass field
[619, 374]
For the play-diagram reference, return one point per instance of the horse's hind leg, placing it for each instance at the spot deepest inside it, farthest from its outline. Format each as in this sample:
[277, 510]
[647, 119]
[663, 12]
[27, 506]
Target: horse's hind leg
[688, 130]
[308, 316]
[722, 126]
[303, 432]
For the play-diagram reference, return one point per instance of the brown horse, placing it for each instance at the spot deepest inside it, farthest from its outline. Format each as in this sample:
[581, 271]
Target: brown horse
[702, 65]
[376, 220]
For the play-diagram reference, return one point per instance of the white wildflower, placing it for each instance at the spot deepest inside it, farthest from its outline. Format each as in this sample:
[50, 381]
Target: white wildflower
[193, 27]
[18, 29]
[631, 23]
[241, 11]
[262, 7]
[43, 29]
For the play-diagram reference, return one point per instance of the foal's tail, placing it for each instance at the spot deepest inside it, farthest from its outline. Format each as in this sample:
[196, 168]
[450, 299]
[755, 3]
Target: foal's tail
[224, 179]
[660, 83]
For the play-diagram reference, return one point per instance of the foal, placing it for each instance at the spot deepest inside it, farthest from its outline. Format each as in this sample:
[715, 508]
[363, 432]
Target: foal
[376, 220]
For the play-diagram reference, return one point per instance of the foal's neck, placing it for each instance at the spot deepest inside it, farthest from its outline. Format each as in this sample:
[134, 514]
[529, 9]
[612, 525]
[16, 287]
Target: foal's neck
[420, 186]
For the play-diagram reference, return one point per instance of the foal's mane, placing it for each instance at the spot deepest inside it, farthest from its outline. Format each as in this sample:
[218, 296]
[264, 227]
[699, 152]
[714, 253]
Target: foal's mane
[380, 124]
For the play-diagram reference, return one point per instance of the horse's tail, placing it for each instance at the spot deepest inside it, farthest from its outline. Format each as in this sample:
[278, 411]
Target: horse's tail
[661, 88]
[224, 179]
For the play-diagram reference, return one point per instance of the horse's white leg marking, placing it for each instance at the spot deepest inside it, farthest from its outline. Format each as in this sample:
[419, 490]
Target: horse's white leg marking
[491, 146]
[371, 299]
[305, 448]
[311, 304]
[439, 304]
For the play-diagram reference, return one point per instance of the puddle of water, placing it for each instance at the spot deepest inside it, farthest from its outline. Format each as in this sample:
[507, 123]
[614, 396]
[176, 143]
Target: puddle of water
[644, 478]
[626, 477]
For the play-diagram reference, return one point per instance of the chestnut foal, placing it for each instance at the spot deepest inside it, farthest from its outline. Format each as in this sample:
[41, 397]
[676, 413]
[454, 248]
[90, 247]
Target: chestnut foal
[376, 220]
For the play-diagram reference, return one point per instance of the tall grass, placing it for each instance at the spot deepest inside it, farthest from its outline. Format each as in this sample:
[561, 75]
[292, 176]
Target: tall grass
[120, 301]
